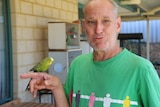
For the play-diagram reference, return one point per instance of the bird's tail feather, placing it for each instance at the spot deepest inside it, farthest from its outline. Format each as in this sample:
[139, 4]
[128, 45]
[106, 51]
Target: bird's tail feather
[27, 88]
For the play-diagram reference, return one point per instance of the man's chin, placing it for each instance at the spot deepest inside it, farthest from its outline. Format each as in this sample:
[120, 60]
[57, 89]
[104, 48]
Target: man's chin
[100, 49]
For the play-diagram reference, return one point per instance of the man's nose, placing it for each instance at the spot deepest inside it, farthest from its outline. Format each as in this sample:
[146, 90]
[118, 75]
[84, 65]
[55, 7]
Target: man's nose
[99, 27]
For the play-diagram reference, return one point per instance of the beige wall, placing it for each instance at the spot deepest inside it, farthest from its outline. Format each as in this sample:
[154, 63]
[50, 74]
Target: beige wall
[29, 20]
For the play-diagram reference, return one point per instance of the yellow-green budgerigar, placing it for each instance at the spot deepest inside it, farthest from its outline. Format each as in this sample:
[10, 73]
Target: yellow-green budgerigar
[41, 66]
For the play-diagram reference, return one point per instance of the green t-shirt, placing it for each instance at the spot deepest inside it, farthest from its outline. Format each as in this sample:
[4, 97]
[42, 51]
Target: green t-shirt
[125, 80]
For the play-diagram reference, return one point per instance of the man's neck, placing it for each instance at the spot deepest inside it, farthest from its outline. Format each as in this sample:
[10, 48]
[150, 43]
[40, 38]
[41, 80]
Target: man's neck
[106, 54]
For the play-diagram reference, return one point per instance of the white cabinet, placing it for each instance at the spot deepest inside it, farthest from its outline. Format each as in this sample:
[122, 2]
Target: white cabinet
[62, 61]
[86, 48]
[64, 46]
[63, 36]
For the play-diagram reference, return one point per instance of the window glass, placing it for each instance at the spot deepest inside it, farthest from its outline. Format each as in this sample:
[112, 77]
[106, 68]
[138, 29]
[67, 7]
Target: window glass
[5, 53]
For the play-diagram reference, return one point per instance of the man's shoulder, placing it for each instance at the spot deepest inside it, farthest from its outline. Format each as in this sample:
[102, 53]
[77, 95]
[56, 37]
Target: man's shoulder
[82, 58]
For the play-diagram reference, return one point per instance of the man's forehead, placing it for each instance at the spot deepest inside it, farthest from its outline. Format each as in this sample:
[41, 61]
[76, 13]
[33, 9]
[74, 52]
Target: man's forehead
[99, 8]
[96, 18]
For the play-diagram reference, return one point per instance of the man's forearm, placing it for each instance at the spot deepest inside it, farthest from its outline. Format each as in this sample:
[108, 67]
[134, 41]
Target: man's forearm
[60, 98]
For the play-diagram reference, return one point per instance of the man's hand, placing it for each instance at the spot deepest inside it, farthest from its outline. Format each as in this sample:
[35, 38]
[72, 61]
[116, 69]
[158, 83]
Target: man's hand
[42, 81]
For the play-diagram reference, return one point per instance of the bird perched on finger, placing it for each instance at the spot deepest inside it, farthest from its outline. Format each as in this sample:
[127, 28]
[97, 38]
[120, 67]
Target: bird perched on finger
[41, 66]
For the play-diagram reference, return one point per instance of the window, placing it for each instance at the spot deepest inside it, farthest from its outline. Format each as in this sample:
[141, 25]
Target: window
[6, 82]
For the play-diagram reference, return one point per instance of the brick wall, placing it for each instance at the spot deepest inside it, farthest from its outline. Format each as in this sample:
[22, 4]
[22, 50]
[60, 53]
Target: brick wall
[29, 20]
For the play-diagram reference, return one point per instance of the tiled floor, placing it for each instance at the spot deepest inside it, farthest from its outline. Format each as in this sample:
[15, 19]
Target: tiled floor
[18, 103]
[32, 104]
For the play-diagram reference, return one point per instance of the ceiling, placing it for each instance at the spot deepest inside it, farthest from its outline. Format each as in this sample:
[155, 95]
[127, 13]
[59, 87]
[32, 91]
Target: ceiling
[137, 9]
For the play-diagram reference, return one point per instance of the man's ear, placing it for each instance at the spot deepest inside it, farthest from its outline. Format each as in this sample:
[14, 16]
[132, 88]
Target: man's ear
[118, 24]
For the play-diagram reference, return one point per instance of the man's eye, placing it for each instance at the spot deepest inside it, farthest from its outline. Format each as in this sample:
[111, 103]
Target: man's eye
[91, 22]
[105, 21]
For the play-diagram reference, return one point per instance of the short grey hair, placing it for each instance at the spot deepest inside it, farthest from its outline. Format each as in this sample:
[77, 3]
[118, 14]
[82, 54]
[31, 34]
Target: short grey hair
[114, 4]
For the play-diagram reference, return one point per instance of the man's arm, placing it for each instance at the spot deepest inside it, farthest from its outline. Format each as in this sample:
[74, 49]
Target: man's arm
[60, 98]
[45, 81]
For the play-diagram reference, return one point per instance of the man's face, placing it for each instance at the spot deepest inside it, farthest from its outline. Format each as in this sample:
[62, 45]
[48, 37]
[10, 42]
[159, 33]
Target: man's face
[101, 25]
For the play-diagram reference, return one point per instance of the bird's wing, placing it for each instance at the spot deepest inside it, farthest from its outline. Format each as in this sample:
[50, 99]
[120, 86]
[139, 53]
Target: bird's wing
[37, 67]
